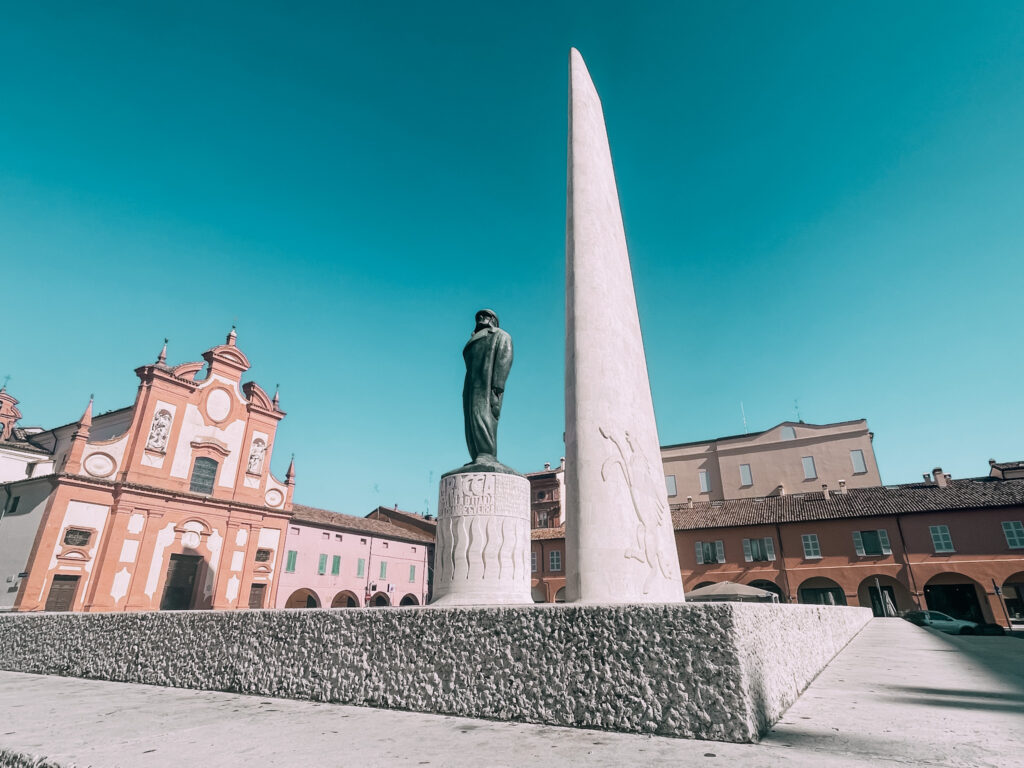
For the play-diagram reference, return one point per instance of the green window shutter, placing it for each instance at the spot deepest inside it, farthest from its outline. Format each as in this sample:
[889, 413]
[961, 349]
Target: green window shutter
[720, 551]
[858, 543]
[412, 573]
[700, 553]
[883, 539]
[769, 547]
[747, 554]
[321, 567]
[290, 565]
[336, 565]
[361, 567]
[383, 569]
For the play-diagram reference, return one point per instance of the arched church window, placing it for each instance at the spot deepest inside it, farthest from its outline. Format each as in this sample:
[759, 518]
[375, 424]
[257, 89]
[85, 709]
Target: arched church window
[204, 472]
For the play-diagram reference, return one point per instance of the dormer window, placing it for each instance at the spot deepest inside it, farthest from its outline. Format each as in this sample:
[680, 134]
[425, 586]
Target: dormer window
[204, 473]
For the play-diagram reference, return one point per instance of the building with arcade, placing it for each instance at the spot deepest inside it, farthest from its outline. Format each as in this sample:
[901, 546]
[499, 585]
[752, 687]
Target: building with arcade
[168, 503]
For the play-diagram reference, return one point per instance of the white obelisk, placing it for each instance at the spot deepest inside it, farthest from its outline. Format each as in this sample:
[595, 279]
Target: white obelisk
[620, 546]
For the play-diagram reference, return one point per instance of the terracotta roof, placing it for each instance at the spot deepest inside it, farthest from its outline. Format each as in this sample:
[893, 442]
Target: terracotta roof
[19, 445]
[967, 494]
[1003, 465]
[543, 534]
[315, 516]
[411, 516]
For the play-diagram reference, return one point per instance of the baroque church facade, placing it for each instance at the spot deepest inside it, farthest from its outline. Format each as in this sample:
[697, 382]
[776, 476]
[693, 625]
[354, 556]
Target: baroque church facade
[166, 504]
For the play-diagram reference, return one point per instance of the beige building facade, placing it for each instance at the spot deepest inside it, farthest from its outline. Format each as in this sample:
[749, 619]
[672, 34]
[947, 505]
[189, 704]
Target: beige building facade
[791, 457]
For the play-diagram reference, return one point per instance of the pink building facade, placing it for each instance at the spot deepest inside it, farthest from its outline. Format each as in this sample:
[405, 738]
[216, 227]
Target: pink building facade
[340, 561]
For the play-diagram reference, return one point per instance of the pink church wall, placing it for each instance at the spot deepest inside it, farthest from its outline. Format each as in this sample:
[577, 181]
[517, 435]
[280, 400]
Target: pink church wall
[310, 542]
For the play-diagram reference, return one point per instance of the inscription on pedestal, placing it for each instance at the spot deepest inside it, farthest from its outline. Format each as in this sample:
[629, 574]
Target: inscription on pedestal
[483, 540]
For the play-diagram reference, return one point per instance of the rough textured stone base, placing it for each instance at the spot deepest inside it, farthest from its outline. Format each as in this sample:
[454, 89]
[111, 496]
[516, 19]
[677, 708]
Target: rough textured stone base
[722, 671]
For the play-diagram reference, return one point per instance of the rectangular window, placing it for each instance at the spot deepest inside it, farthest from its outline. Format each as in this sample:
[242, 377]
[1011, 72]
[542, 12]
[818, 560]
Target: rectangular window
[745, 477]
[857, 458]
[872, 543]
[412, 573]
[555, 560]
[533, 562]
[812, 549]
[321, 567]
[710, 552]
[705, 481]
[263, 555]
[290, 564]
[383, 569]
[1014, 532]
[941, 539]
[809, 471]
[670, 484]
[335, 565]
[759, 550]
[361, 567]
[204, 472]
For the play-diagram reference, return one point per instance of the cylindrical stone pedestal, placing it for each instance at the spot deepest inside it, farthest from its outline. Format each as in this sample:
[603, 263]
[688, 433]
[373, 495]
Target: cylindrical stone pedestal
[482, 556]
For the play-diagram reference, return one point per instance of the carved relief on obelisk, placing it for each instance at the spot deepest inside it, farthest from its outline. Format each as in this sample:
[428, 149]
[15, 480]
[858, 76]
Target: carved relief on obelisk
[620, 546]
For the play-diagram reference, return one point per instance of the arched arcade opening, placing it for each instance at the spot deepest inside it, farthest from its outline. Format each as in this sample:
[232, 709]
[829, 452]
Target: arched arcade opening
[303, 598]
[821, 591]
[345, 599]
[885, 596]
[958, 596]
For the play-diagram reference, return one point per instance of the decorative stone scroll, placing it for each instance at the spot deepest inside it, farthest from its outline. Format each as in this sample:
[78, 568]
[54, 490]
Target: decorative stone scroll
[483, 540]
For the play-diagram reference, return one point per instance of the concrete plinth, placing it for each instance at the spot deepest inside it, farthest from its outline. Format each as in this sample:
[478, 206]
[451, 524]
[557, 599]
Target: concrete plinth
[482, 555]
[723, 671]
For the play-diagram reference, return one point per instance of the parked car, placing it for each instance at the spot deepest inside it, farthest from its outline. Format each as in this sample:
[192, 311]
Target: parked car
[941, 622]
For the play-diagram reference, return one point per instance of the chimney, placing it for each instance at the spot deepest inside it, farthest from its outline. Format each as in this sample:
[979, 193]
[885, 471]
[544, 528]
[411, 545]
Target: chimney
[940, 479]
[824, 491]
[547, 465]
[689, 501]
[561, 463]
[842, 487]
[781, 489]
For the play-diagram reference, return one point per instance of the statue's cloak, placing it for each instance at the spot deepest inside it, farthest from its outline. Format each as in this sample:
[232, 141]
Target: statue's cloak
[488, 356]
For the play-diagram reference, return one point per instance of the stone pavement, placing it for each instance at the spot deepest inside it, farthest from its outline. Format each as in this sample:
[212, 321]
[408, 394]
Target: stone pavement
[898, 695]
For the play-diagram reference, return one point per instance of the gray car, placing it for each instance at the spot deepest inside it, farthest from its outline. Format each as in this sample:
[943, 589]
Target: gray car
[941, 622]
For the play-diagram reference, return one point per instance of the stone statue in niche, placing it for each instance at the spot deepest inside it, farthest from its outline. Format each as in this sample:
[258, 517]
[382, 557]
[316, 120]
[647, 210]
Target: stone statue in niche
[259, 450]
[488, 357]
[159, 432]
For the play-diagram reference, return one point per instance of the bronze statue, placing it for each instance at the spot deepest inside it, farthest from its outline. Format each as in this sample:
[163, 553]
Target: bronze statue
[488, 356]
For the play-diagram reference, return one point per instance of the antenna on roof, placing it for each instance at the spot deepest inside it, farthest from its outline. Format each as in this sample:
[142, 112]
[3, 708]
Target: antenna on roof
[743, 413]
[796, 407]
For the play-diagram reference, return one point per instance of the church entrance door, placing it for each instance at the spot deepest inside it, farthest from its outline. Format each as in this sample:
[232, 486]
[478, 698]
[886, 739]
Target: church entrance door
[62, 593]
[180, 584]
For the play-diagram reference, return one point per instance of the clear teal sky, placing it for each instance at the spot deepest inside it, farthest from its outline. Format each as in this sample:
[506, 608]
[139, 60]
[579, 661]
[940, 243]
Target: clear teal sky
[824, 203]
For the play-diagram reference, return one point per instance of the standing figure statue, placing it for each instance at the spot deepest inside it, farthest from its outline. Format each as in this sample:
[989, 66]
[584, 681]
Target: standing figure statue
[488, 356]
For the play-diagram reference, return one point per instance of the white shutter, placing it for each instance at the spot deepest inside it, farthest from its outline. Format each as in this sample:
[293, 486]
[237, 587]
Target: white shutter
[747, 555]
[883, 539]
[769, 547]
[720, 550]
[858, 543]
[700, 553]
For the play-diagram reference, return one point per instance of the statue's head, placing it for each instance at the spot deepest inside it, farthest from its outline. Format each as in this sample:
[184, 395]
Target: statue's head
[486, 318]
